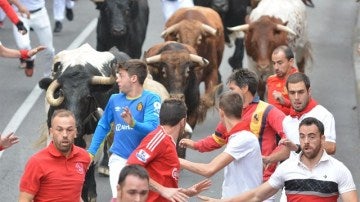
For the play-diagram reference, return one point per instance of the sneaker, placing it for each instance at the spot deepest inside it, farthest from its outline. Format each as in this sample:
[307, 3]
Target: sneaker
[58, 27]
[29, 69]
[22, 64]
[69, 14]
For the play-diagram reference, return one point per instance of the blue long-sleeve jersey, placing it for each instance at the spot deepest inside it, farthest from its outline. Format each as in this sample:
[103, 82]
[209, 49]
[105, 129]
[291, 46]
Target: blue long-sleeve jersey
[144, 110]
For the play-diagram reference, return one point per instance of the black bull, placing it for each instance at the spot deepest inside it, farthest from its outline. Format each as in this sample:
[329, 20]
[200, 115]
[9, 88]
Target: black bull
[82, 89]
[122, 24]
[232, 12]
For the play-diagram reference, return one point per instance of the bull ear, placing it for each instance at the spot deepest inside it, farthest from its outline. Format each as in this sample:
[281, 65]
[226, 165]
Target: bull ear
[44, 83]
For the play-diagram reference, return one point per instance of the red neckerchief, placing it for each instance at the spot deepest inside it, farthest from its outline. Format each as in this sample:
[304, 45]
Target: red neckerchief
[308, 108]
[242, 125]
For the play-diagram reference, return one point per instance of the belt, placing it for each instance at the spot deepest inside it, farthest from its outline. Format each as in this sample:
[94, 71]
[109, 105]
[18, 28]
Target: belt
[36, 10]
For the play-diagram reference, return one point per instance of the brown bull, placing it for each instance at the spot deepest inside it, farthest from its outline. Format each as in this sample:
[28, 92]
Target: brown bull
[274, 23]
[179, 69]
[202, 29]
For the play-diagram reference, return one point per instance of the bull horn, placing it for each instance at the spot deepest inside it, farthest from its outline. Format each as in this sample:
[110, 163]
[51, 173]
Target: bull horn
[202, 61]
[50, 94]
[169, 30]
[102, 80]
[209, 29]
[153, 59]
[240, 28]
[285, 29]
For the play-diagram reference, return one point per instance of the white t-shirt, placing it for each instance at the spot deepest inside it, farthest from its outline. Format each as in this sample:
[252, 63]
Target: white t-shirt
[245, 172]
[291, 125]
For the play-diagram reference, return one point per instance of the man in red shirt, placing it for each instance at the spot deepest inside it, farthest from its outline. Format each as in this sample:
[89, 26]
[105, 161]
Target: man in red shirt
[263, 119]
[283, 63]
[56, 173]
[157, 153]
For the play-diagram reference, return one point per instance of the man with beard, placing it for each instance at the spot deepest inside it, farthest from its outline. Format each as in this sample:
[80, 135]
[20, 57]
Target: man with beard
[312, 176]
[283, 63]
[56, 173]
[157, 153]
[303, 106]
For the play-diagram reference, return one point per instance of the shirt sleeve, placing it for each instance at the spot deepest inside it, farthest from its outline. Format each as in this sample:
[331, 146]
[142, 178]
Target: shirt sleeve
[146, 151]
[212, 142]
[151, 116]
[103, 127]
[31, 179]
[276, 180]
[9, 11]
[346, 182]
[240, 145]
[275, 120]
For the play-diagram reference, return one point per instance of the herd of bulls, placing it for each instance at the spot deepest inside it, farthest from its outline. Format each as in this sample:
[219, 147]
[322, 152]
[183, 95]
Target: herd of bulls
[83, 79]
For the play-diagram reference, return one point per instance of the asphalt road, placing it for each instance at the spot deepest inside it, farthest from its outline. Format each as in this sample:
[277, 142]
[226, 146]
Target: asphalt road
[331, 30]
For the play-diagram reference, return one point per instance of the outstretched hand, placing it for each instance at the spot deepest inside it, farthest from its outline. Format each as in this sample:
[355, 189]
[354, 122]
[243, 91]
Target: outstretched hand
[197, 188]
[187, 143]
[8, 140]
[34, 51]
[174, 195]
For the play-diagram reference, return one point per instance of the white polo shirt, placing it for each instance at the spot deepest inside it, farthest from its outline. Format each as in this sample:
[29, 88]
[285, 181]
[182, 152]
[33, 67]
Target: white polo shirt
[326, 180]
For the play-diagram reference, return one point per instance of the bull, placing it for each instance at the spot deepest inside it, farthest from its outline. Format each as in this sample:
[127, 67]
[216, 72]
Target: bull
[179, 69]
[232, 13]
[122, 24]
[83, 81]
[202, 29]
[274, 23]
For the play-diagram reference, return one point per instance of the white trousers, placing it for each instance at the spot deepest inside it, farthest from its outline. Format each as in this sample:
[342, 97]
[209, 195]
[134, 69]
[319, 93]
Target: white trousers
[169, 7]
[59, 8]
[2, 15]
[40, 23]
[116, 164]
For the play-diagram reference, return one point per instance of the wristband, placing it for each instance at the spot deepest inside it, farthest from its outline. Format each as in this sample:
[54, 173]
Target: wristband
[1, 148]
[24, 54]
[299, 149]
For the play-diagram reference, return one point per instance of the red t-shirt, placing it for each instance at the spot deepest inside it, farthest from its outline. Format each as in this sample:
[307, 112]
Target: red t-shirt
[279, 84]
[157, 153]
[50, 176]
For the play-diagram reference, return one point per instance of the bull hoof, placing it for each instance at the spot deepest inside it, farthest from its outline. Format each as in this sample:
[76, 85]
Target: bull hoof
[103, 171]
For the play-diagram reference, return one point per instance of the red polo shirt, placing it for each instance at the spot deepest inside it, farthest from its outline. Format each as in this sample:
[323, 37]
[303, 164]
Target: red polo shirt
[50, 176]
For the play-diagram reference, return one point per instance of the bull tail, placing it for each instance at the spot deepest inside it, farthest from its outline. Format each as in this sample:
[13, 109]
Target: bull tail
[206, 102]
[42, 141]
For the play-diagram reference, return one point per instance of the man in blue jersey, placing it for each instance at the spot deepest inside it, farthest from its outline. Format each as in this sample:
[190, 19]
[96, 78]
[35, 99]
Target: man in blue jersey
[135, 113]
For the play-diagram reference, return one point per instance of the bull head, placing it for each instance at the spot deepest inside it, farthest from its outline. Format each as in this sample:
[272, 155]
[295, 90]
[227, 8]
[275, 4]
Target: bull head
[95, 80]
[245, 27]
[195, 58]
[176, 28]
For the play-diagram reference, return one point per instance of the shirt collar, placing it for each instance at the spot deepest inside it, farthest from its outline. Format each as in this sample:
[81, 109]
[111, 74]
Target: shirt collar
[325, 157]
[55, 152]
